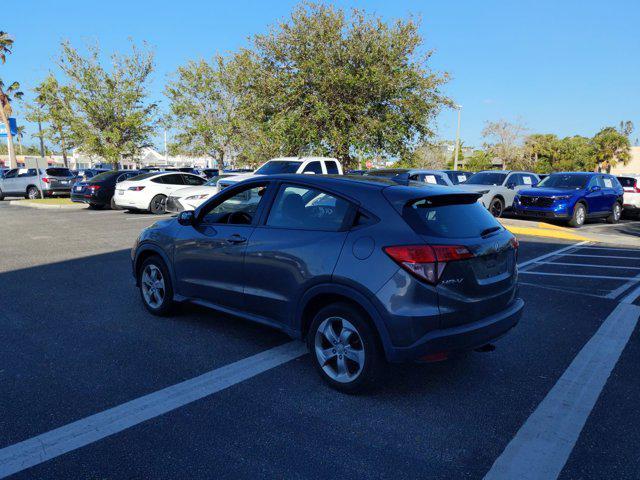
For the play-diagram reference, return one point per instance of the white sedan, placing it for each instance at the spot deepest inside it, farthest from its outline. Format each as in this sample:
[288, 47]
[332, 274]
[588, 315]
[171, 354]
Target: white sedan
[149, 191]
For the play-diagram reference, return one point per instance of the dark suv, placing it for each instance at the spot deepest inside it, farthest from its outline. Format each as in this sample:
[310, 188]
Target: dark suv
[361, 268]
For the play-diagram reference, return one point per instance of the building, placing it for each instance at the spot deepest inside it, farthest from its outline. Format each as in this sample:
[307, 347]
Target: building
[633, 166]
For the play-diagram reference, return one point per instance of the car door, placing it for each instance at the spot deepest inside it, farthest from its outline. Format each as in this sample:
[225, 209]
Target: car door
[297, 247]
[25, 177]
[8, 183]
[209, 255]
[593, 196]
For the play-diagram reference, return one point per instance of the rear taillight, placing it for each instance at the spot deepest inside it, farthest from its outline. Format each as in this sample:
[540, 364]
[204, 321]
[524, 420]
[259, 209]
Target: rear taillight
[135, 189]
[427, 262]
[45, 180]
[93, 188]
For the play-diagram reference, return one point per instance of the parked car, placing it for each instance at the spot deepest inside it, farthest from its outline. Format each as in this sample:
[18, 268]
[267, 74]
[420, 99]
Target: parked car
[363, 269]
[32, 182]
[631, 201]
[149, 191]
[98, 192]
[573, 197]
[458, 176]
[190, 198]
[405, 175]
[499, 187]
[307, 165]
[210, 172]
[88, 173]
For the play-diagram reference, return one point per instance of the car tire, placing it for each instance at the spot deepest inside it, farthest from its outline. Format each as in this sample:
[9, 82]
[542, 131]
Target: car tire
[616, 213]
[112, 204]
[496, 207]
[354, 363]
[32, 193]
[155, 286]
[579, 216]
[158, 205]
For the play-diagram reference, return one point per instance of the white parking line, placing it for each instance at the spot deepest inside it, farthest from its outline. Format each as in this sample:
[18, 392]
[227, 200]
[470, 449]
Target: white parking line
[599, 256]
[551, 254]
[591, 265]
[624, 287]
[637, 250]
[604, 277]
[46, 446]
[543, 444]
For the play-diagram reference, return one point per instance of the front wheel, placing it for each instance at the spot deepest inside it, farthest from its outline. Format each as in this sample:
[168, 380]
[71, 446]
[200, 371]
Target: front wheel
[158, 205]
[496, 207]
[155, 286]
[579, 216]
[616, 213]
[344, 348]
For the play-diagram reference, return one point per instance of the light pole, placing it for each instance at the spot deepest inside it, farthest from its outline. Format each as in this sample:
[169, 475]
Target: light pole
[455, 160]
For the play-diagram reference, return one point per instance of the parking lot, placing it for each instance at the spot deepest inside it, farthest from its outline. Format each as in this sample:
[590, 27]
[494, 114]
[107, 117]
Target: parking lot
[93, 386]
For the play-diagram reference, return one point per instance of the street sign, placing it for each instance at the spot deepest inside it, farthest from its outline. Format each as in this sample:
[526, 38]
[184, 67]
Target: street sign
[12, 125]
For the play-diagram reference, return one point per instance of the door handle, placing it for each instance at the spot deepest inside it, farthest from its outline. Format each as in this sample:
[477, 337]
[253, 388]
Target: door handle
[235, 238]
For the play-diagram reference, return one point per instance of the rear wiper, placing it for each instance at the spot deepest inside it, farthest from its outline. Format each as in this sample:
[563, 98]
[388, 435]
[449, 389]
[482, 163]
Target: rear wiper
[489, 230]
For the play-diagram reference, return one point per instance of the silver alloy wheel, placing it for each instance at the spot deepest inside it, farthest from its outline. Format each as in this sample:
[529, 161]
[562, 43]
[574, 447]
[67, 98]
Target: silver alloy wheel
[616, 212]
[33, 193]
[152, 285]
[339, 349]
[580, 216]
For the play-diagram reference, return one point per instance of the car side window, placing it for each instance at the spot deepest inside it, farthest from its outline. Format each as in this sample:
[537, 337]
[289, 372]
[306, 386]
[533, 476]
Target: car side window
[332, 167]
[304, 208]
[315, 167]
[174, 179]
[239, 209]
[11, 173]
[23, 172]
[513, 179]
[607, 182]
[593, 182]
[193, 180]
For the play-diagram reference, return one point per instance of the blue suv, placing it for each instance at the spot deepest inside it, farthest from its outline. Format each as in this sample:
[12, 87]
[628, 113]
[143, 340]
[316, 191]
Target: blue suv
[362, 268]
[572, 197]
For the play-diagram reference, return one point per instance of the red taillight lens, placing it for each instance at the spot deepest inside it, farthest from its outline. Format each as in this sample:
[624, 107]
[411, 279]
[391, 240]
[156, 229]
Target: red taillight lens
[427, 262]
[135, 189]
[45, 180]
[93, 188]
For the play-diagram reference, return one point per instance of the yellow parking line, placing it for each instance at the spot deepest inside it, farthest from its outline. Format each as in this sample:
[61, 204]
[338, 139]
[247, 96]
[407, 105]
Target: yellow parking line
[545, 232]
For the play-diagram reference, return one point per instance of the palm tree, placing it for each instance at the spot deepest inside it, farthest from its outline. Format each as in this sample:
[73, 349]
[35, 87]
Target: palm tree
[7, 95]
[20, 136]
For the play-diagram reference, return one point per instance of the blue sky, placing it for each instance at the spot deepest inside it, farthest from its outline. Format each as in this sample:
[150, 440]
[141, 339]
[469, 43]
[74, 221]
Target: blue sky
[565, 67]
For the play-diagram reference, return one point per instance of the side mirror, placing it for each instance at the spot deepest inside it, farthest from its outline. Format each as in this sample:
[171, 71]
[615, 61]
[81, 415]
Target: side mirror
[186, 218]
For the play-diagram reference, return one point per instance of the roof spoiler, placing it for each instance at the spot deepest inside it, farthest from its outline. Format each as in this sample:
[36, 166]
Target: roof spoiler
[436, 196]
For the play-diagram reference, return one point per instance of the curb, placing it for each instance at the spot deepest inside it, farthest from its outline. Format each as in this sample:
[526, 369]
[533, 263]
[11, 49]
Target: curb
[44, 206]
[548, 233]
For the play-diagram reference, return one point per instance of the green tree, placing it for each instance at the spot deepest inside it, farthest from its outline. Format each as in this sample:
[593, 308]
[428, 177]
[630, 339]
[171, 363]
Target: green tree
[479, 160]
[611, 147]
[113, 118]
[8, 93]
[55, 109]
[324, 83]
[204, 103]
[504, 141]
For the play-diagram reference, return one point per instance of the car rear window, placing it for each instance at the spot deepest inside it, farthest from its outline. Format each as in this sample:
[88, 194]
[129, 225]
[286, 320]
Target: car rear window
[627, 181]
[439, 217]
[59, 172]
[101, 177]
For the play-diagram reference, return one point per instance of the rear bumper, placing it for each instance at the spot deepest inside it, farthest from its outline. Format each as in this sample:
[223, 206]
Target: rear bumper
[462, 337]
[57, 191]
[89, 199]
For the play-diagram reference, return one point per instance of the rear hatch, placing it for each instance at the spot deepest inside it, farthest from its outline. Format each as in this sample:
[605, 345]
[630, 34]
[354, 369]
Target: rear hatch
[58, 178]
[475, 271]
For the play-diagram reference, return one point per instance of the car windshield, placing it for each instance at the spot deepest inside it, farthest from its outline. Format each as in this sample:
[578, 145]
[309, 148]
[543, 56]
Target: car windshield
[565, 181]
[59, 172]
[486, 178]
[273, 167]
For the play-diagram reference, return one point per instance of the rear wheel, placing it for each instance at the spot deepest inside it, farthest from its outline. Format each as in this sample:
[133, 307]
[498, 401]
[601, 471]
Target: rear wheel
[112, 204]
[158, 205]
[344, 348]
[496, 207]
[155, 286]
[616, 213]
[33, 193]
[579, 216]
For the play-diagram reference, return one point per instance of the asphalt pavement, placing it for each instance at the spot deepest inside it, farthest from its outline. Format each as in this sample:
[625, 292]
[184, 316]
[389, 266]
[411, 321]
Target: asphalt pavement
[76, 342]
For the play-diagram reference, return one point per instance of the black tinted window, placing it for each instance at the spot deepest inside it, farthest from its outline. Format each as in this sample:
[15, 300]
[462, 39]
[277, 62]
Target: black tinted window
[59, 172]
[332, 167]
[11, 173]
[315, 167]
[278, 166]
[240, 208]
[627, 181]
[458, 220]
[308, 209]
[193, 180]
[487, 178]
[566, 180]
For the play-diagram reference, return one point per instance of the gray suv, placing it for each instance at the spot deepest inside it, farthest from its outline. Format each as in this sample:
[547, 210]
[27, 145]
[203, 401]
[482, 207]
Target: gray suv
[363, 269]
[29, 182]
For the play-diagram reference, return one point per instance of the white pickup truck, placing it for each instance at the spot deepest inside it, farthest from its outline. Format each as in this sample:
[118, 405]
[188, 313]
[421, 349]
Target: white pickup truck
[307, 165]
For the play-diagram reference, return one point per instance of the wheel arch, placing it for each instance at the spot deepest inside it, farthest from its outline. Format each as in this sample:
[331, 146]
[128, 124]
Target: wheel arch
[149, 250]
[321, 295]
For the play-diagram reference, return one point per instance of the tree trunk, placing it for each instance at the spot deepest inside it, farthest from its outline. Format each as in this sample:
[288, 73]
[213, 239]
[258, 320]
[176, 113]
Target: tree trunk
[221, 160]
[13, 161]
[64, 149]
